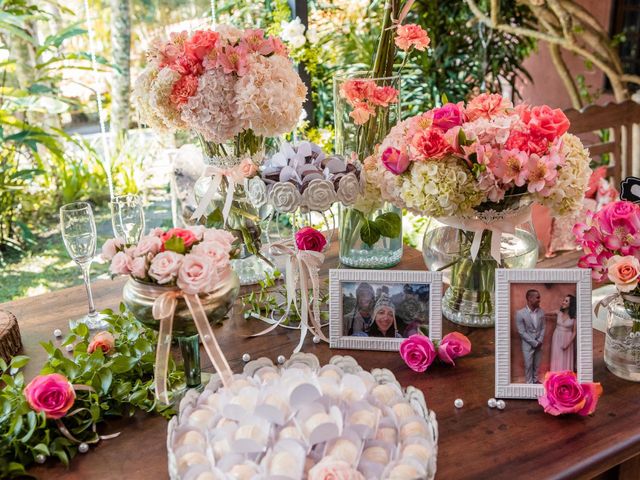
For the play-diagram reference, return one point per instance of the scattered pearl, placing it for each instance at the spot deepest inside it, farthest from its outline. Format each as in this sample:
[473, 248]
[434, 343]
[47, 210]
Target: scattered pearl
[246, 357]
[69, 348]
[57, 333]
[316, 339]
[458, 403]
[40, 458]
[281, 359]
[207, 337]
[500, 404]
[492, 403]
[83, 448]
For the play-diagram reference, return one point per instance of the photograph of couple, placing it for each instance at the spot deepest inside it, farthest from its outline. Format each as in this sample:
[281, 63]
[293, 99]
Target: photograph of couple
[543, 330]
[384, 310]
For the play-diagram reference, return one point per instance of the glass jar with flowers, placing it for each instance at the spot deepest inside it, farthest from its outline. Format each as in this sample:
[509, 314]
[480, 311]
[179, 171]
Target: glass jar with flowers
[232, 88]
[476, 170]
[610, 239]
[367, 105]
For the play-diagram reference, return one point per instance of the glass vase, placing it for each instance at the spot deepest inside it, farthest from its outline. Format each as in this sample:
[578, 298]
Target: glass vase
[469, 300]
[622, 339]
[373, 240]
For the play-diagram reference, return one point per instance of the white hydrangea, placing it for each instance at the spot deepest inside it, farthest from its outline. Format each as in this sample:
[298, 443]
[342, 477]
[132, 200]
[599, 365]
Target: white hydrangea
[160, 99]
[140, 98]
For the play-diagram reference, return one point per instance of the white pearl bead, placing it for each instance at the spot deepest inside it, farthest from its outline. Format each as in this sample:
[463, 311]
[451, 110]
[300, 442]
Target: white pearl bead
[83, 448]
[57, 333]
[40, 458]
[458, 403]
[207, 337]
[500, 404]
[69, 348]
[281, 359]
[246, 357]
[492, 403]
[316, 339]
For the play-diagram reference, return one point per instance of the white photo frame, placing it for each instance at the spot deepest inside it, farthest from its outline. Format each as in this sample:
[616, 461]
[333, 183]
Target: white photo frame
[556, 282]
[341, 280]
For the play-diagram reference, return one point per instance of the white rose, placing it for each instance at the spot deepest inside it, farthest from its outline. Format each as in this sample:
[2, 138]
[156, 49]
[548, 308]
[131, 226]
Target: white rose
[319, 195]
[285, 197]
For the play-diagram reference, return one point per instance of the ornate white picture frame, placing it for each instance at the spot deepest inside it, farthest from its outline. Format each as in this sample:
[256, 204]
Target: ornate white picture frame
[342, 288]
[517, 330]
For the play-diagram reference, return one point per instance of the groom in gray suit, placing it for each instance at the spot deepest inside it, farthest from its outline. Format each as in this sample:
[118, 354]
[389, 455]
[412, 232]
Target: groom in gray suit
[530, 324]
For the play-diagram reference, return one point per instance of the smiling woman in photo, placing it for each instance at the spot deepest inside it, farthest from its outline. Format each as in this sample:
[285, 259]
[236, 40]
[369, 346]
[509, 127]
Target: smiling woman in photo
[384, 319]
[563, 340]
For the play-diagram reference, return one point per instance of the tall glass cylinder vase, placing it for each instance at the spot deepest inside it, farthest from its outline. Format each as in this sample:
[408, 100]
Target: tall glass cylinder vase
[469, 299]
[622, 340]
[365, 111]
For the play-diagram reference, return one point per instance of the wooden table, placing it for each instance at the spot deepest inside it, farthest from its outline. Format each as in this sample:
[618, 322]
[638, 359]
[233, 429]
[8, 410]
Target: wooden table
[476, 442]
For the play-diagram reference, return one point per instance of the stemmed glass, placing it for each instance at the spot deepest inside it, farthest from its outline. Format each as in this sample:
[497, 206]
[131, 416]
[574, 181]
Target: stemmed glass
[127, 218]
[79, 234]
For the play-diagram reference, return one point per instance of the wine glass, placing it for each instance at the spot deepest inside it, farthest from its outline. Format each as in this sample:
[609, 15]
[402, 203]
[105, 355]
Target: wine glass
[79, 234]
[127, 218]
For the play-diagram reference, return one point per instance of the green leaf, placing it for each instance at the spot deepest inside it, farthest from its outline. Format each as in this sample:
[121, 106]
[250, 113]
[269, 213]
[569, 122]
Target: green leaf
[122, 364]
[444, 98]
[215, 219]
[105, 380]
[82, 330]
[369, 233]
[18, 362]
[389, 224]
[175, 244]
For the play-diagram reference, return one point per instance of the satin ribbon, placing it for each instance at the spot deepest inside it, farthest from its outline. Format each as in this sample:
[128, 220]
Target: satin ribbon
[497, 227]
[164, 308]
[303, 266]
[233, 177]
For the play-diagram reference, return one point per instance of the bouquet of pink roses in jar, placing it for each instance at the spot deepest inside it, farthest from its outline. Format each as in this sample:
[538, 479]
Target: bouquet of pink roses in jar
[233, 88]
[610, 239]
[180, 283]
[476, 169]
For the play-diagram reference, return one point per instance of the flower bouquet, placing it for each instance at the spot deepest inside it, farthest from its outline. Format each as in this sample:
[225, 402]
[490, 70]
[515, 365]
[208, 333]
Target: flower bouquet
[610, 239]
[367, 105]
[232, 88]
[181, 281]
[477, 169]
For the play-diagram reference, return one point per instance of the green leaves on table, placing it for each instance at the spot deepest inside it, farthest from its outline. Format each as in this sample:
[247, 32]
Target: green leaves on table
[387, 225]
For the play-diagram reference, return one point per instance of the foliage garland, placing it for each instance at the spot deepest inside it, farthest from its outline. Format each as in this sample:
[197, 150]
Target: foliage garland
[121, 383]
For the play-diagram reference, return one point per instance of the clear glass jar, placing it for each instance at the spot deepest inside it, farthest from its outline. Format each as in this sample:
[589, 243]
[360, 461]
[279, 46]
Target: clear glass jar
[622, 340]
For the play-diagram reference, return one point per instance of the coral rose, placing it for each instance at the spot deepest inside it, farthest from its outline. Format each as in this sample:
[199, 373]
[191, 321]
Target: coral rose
[187, 236]
[564, 394]
[309, 238]
[548, 123]
[431, 144]
[452, 346]
[624, 272]
[200, 44]
[418, 352]
[52, 394]
[102, 340]
[395, 161]
[411, 35]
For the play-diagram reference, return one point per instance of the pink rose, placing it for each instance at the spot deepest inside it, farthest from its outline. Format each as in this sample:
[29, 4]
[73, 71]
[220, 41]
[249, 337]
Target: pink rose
[624, 272]
[121, 264]
[431, 144]
[156, 232]
[548, 123]
[149, 244]
[200, 44]
[187, 236]
[185, 88]
[52, 394]
[164, 267]
[418, 352]
[111, 247]
[384, 96]
[139, 267]
[247, 168]
[197, 274]
[357, 90]
[452, 346]
[448, 116]
[198, 231]
[218, 252]
[220, 236]
[331, 469]
[411, 35]
[620, 215]
[102, 340]
[395, 161]
[487, 105]
[309, 238]
[361, 112]
[564, 394]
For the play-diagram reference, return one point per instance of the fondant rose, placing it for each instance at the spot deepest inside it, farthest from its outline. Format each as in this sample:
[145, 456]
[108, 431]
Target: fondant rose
[121, 264]
[111, 247]
[197, 274]
[330, 468]
[319, 195]
[395, 161]
[285, 197]
[257, 192]
[452, 346]
[564, 394]
[418, 352]
[149, 244]
[187, 236]
[52, 394]
[247, 168]
[164, 267]
[624, 272]
[309, 238]
[348, 189]
[102, 340]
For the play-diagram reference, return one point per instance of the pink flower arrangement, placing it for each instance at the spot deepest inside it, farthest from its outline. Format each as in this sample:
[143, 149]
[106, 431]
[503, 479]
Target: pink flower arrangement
[608, 238]
[364, 96]
[419, 352]
[308, 238]
[564, 394]
[104, 341]
[52, 394]
[193, 258]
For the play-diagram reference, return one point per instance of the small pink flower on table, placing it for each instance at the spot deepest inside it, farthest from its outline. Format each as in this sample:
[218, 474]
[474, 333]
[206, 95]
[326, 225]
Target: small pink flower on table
[452, 346]
[411, 35]
[52, 394]
[418, 352]
[308, 238]
[564, 394]
[104, 341]
[624, 272]
[149, 244]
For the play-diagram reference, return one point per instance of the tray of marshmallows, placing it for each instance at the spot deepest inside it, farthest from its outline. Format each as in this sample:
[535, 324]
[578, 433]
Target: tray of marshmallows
[304, 421]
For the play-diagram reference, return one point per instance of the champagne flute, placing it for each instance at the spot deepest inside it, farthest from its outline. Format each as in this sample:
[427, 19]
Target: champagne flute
[79, 235]
[127, 218]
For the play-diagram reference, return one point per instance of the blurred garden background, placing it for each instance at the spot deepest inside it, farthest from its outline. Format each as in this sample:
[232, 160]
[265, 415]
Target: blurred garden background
[67, 65]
